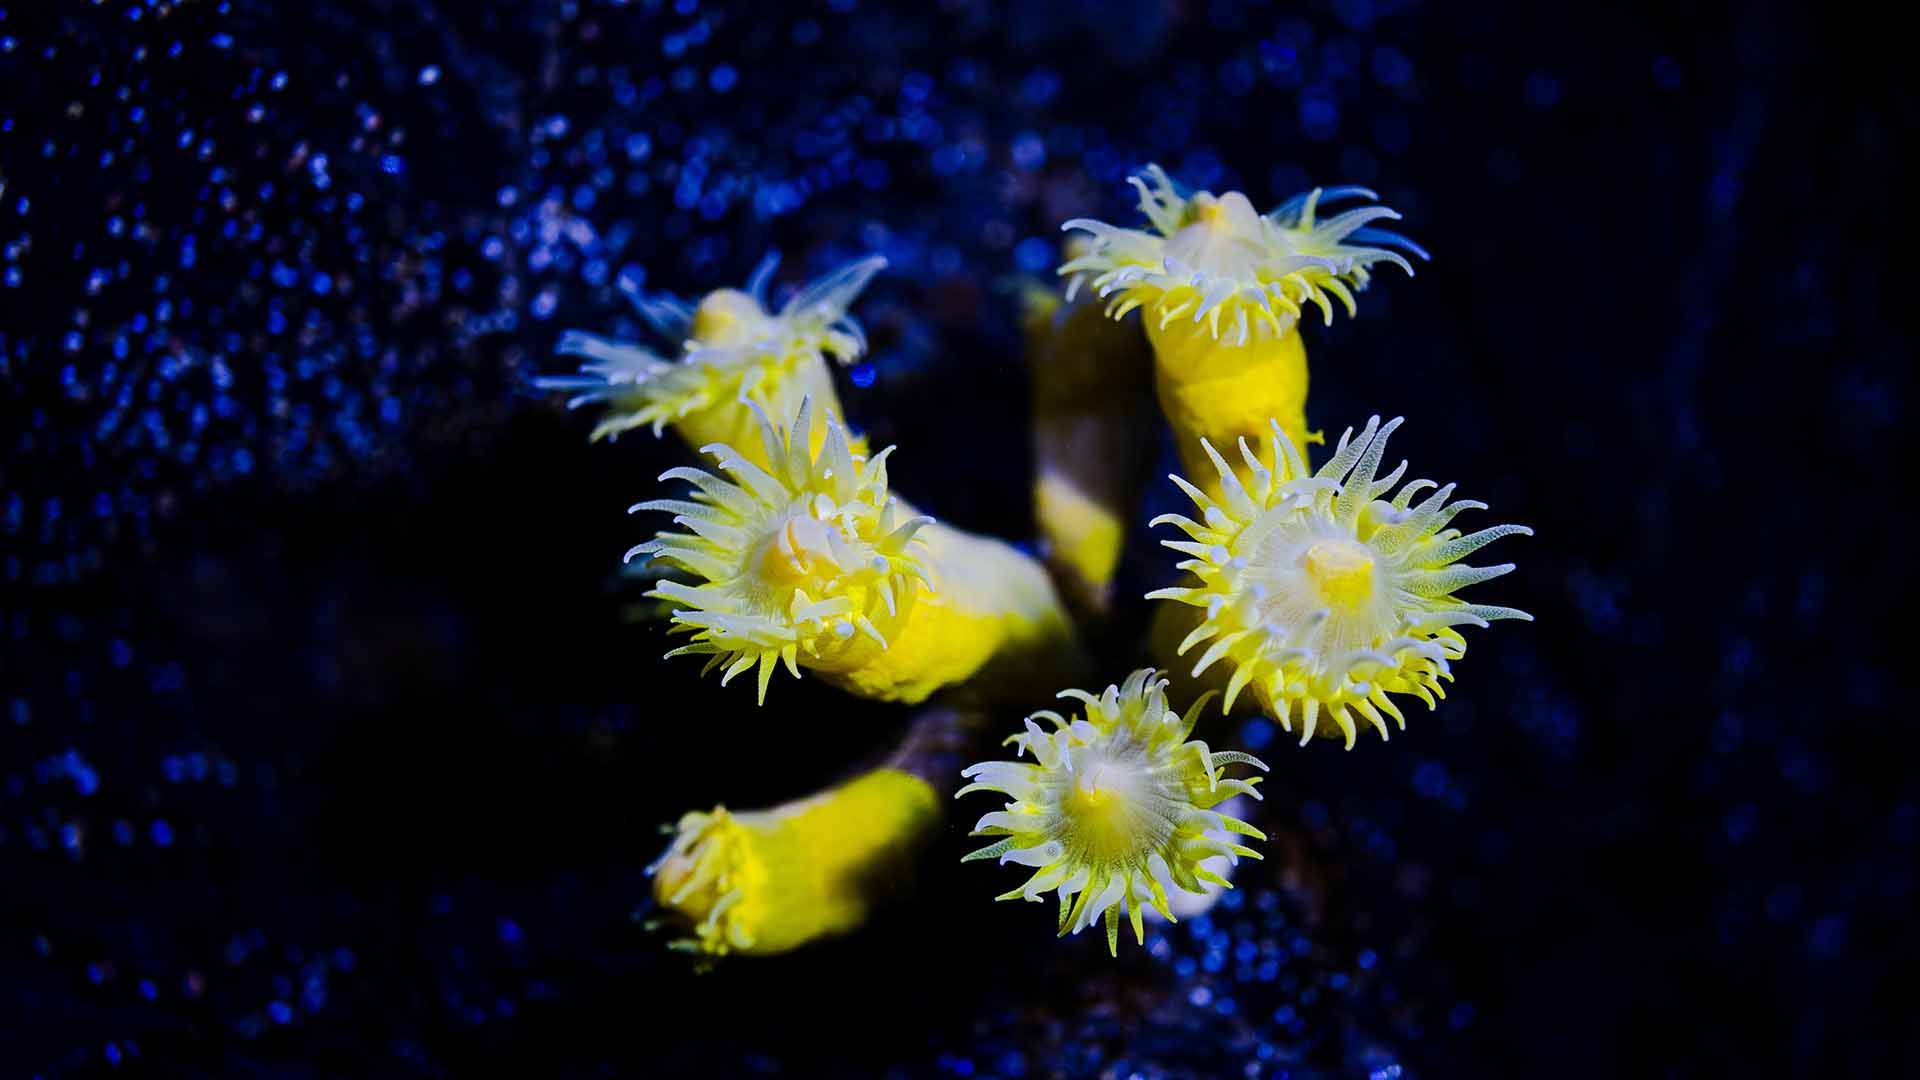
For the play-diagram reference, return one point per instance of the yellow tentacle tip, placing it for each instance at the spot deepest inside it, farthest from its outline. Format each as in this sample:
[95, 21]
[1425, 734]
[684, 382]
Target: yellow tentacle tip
[712, 880]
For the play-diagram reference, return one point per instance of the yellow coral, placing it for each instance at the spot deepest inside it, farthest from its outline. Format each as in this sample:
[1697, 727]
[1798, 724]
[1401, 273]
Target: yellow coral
[734, 353]
[812, 562]
[1321, 596]
[1089, 377]
[767, 881]
[1115, 809]
[810, 558]
[1209, 256]
[1221, 288]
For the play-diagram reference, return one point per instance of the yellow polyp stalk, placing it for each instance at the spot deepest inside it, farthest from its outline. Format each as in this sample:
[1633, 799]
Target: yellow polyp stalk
[1084, 535]
[993, 612]
[1089, 407]
[760, 883]
[1213, 389]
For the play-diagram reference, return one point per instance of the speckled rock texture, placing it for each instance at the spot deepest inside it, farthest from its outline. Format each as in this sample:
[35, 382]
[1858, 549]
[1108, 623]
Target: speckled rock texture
[328, 743]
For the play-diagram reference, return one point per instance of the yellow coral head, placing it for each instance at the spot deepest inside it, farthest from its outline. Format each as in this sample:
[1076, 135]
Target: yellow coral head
[713, 879]
[1323, 597]
[1214, 259]
[733, 349]
[1115, 809]
[761, 882]
[801, 562]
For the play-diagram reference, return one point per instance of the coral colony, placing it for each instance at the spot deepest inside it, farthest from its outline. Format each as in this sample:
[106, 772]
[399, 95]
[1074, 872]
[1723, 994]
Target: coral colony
[1315, 595]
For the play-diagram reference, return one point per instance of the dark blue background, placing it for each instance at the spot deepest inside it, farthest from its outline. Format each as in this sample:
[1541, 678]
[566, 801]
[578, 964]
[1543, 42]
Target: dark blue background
[325, 748]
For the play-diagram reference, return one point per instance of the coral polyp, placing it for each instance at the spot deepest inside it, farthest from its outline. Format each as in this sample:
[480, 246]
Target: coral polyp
[766, 881]
[1214, 260]
[1220, 288]
[809, 560]
[706, 874]
[1323, 598]
[733, 351]
[1115, 808]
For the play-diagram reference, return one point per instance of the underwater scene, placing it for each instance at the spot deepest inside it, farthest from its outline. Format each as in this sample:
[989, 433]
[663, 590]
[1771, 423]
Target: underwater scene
[838, 538]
